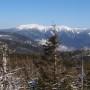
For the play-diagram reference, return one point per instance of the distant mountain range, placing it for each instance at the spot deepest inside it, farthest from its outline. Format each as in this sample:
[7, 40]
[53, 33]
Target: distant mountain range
[32, 35]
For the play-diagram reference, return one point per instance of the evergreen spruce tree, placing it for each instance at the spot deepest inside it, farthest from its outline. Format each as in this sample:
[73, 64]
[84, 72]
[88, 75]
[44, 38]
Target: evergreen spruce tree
[48, 64]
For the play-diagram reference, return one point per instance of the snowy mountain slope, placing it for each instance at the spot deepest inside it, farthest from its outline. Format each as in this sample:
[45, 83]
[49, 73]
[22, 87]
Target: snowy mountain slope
[44, 31]
[76, 38]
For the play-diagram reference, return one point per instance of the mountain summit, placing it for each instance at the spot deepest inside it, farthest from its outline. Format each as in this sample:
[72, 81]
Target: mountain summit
[30, 26]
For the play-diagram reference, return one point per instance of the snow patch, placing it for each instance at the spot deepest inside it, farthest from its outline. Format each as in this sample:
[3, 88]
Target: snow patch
[78, 32]
[64, 48]
[89, 33]
[42, 41]
[4, 35]
[52, 33]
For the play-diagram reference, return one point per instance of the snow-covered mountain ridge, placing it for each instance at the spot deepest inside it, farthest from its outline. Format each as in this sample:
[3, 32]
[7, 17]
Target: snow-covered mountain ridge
[70, 38]
[30, 26]
[45, 28]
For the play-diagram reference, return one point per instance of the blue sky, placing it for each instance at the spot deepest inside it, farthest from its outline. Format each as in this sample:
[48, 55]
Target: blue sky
[74, 13]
